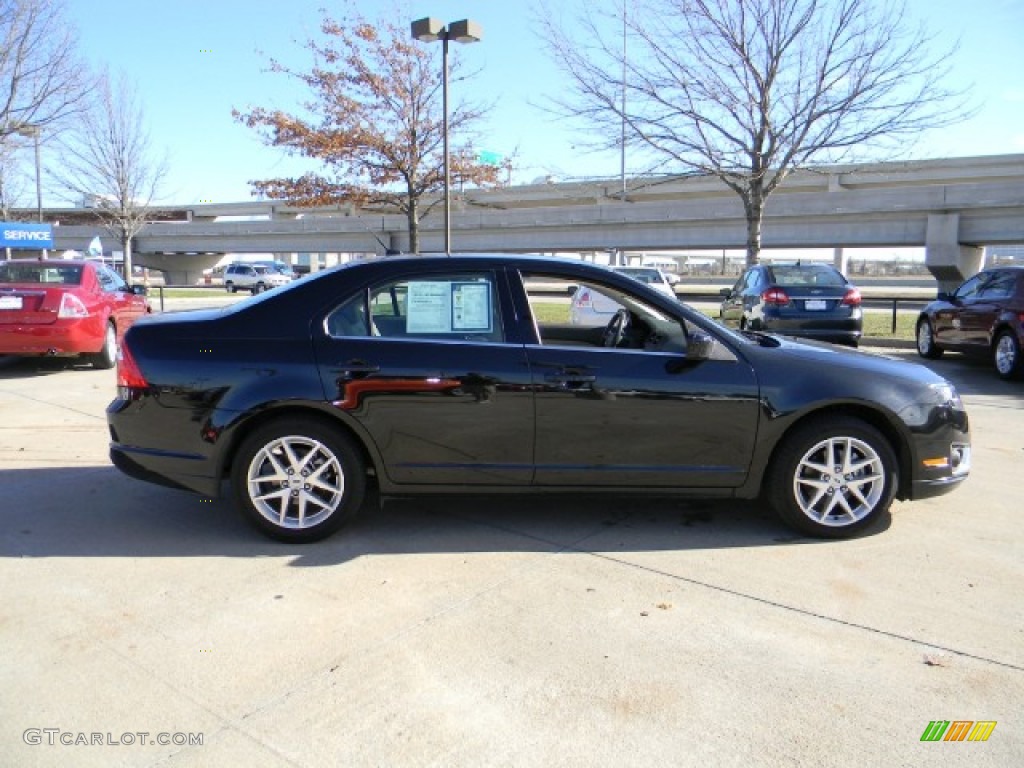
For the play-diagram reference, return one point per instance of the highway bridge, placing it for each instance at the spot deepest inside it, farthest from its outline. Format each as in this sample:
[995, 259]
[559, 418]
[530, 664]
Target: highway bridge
[952, 207]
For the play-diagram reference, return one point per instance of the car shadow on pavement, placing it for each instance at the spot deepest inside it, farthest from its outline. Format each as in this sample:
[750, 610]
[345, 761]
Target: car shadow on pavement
[94, 511]
[27, 367]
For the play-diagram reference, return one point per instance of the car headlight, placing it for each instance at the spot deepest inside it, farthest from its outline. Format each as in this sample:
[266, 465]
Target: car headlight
[946, 393]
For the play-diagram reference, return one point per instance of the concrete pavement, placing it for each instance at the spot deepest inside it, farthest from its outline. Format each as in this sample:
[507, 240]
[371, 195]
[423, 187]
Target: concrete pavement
[473, 632]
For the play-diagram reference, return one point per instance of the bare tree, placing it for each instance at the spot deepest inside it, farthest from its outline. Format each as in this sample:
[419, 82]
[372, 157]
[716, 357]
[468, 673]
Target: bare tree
[373, 121]
[108, 160]
[750, 90]
[42, 80]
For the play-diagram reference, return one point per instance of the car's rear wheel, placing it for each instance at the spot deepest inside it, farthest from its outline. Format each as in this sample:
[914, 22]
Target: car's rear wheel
[230, 287]
[926, 346]
[833, 477]
[107, 357]
[258, 288]
[297, 480]
[1006, 356]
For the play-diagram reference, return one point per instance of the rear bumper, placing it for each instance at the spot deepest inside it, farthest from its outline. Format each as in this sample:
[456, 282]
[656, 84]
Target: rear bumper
[180, 471]
[810, 326]
[61, 337]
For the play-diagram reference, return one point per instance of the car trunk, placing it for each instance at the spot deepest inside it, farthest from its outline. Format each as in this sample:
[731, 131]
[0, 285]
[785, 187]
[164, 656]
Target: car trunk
[29, 305]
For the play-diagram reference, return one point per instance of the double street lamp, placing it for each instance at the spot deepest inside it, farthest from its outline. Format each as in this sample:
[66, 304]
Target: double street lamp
[430, 30]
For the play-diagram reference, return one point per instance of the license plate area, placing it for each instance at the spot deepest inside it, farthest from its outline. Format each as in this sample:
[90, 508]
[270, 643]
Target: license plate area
[10, 302]
[815, 305]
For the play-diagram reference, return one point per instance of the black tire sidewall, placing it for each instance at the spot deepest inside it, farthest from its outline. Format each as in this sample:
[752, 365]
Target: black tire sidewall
[344, 449]
[793, 448]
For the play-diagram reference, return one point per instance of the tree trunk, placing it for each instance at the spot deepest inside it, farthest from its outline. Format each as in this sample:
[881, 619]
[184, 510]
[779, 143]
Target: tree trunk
[413, 215]
[126, 248]
[753, 206]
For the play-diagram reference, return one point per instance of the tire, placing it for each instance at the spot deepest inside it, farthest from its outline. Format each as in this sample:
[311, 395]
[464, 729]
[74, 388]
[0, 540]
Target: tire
[258, 288]
[231, 287]
[833, 504]
[283, 448]
[106, 358]
[926, 346]
[1006, 356]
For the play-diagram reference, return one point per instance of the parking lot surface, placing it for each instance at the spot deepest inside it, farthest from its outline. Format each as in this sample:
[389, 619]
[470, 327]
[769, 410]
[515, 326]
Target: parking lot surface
[564, 632]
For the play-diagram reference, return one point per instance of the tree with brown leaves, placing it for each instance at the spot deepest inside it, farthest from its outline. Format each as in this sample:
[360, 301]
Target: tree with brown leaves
[751, 90]
[374, 121]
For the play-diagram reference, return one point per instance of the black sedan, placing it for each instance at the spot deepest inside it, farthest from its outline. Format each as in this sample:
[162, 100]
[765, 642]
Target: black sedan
[812, 301]
[429, 375]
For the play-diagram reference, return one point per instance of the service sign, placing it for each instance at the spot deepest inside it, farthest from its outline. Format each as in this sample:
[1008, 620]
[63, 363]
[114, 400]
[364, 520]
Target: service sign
[16, 234]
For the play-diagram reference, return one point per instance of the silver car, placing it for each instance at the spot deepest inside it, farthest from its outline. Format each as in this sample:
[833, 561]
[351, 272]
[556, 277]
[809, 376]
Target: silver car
[590, 308]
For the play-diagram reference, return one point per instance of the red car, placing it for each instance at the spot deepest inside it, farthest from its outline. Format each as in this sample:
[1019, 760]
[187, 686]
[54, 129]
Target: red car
[63, 308]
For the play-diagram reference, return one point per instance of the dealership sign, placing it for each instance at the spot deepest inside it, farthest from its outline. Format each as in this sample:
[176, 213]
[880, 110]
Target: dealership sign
[19, 235]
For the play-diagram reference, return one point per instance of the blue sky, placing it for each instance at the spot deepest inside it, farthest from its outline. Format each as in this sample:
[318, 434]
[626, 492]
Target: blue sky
[193, 61]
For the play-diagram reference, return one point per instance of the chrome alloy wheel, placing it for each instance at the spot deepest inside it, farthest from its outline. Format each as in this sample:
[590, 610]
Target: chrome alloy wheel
[924, 339]
[839, 481]
[295, 482]
[1006, 355]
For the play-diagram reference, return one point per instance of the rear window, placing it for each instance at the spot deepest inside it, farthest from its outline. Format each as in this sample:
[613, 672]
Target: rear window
[806, 275]
[29, 272]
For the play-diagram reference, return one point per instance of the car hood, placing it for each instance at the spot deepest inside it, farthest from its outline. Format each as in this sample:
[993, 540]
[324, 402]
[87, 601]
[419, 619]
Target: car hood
[820, 360]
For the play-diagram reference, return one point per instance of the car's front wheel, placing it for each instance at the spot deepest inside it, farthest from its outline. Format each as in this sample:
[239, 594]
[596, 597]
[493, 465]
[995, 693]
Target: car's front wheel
[926, 346]
[297, 480]
[230, 287]
[107, 356]
[1006, 356]
[833, 477]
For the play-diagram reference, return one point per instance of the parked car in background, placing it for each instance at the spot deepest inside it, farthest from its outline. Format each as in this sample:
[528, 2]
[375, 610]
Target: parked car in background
[252, 277]
[592, 308]
[281, 268]
[984, 316]
[66, 308]
[813, 301]
[433, 374]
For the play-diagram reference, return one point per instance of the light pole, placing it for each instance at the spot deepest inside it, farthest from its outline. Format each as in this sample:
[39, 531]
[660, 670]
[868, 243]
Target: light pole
[430, 30]
[31, 129]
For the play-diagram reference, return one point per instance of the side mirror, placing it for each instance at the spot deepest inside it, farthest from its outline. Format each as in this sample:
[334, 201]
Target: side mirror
[571, 290]
[944, 296]
[700, 346]
[140, 290]
[725, 293]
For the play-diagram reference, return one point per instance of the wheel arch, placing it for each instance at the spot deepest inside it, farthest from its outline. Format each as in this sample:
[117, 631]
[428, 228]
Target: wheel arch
[898, 440]
[239, 432]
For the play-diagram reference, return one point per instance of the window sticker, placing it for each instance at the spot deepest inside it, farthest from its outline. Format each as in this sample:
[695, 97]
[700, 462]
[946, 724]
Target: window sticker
[429, 307]
[471, 307]
[448, 307]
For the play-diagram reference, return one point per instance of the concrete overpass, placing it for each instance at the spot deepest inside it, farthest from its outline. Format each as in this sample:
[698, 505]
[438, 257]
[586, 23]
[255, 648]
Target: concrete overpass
[952, 207]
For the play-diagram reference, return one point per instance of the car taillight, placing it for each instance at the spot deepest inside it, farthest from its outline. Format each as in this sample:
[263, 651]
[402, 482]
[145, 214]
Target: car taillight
[129, 375]
[852, 298]
[583, 301]
[71, 306]
[775, 297]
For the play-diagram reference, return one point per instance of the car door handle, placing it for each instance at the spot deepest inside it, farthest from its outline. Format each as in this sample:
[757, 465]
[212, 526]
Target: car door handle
[356, 369]
[570, 378]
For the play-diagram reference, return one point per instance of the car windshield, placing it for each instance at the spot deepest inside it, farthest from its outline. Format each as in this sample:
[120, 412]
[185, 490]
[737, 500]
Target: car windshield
[806, 275]
[35, 272]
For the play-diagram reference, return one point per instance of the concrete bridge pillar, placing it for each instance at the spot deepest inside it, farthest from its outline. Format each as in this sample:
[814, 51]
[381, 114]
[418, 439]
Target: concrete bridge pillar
[946, 258]
[840, 260]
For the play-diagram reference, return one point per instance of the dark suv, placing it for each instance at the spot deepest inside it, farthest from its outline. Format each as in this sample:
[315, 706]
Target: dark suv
[985, 315]
[814, 301]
